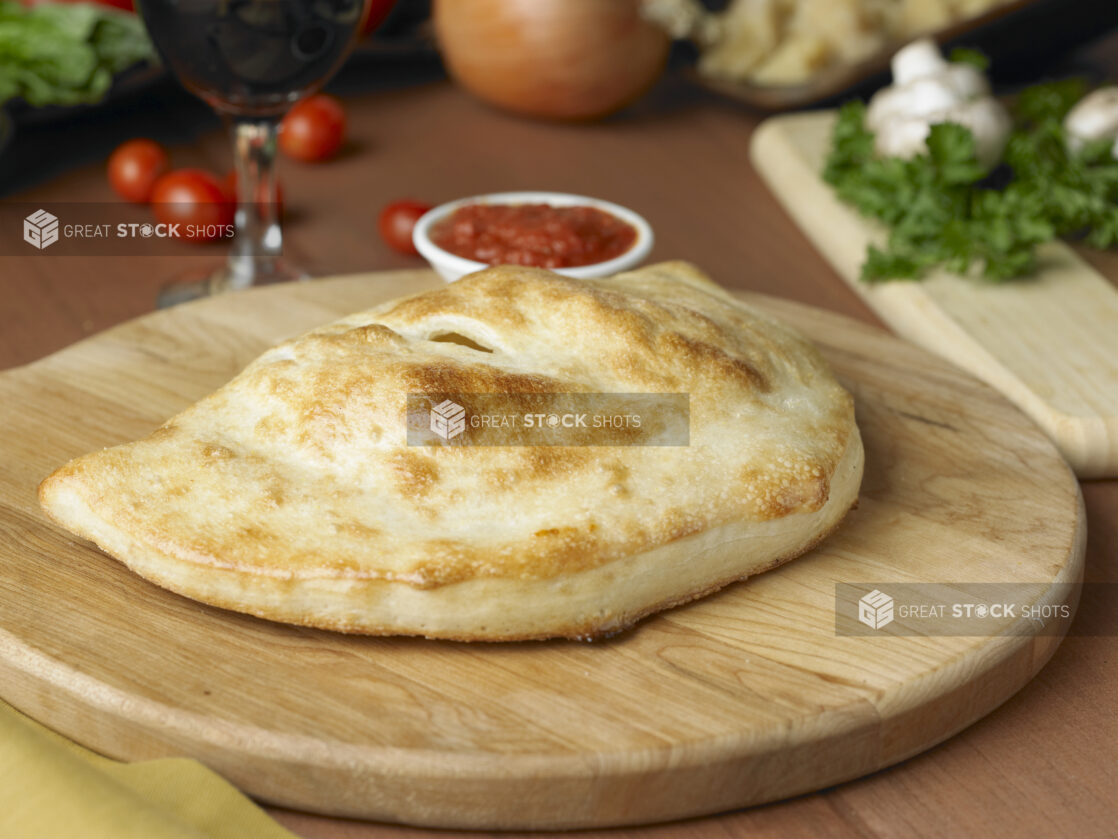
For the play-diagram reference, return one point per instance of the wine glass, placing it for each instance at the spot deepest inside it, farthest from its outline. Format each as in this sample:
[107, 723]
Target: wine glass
[251, 60]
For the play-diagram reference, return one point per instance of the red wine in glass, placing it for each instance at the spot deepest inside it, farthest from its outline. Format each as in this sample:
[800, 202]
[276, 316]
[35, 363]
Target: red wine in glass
[251, 60]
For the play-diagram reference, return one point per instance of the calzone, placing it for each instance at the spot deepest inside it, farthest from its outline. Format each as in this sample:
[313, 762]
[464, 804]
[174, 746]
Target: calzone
[293, 494]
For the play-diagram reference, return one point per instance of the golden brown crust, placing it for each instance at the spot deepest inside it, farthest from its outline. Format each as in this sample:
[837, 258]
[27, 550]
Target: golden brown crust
[297, 471]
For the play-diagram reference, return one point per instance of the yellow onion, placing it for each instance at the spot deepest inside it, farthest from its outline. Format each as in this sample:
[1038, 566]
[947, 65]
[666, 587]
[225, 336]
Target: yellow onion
[558, 59]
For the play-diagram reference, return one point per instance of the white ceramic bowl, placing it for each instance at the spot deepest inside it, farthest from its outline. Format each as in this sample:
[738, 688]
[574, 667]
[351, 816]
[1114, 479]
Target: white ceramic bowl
[452, 267]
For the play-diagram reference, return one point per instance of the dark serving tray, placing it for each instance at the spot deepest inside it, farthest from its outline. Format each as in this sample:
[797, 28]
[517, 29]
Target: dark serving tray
[1017, 37]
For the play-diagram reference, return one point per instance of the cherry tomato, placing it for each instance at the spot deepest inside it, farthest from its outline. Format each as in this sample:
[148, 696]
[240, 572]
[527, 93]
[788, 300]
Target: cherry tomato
[229, 187]
[134, 167]
[195, 201]
[375, 13]
[314, 129]
[124, 5]
[396, 222]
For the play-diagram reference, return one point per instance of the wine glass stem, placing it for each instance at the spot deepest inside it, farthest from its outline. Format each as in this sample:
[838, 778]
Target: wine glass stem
[259, 240]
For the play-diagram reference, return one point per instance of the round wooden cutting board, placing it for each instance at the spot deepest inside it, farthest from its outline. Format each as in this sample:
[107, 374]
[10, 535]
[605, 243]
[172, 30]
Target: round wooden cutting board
[743, 697]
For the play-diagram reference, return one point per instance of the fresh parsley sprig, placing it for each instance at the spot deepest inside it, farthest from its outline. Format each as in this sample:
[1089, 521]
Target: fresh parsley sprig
[944, 208]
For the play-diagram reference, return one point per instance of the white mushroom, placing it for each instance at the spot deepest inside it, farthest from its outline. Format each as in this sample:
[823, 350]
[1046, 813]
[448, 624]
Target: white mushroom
[917, 99]
[916, 61]
[928, 90]
[1095, 117]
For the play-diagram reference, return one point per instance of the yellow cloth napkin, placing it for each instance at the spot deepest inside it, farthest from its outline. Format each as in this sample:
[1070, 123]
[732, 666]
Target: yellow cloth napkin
[51, 788]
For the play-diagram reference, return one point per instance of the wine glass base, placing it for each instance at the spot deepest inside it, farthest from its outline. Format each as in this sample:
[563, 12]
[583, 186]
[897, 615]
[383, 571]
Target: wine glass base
[235, 275]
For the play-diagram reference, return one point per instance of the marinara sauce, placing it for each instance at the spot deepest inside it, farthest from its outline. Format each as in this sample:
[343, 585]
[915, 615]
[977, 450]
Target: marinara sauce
[534, 234]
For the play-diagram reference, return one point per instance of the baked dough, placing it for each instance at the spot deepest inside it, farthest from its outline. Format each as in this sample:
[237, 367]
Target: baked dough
[290, 493]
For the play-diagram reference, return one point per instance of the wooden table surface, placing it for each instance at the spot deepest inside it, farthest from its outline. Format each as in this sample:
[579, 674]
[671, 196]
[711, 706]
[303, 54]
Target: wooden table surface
[1044, 764]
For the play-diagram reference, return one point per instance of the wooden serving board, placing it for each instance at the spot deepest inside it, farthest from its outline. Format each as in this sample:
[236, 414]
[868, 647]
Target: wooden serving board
[743, 697]
[1049, 342]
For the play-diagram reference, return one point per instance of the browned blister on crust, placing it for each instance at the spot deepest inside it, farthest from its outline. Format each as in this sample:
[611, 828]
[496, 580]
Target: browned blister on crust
[291, 492]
